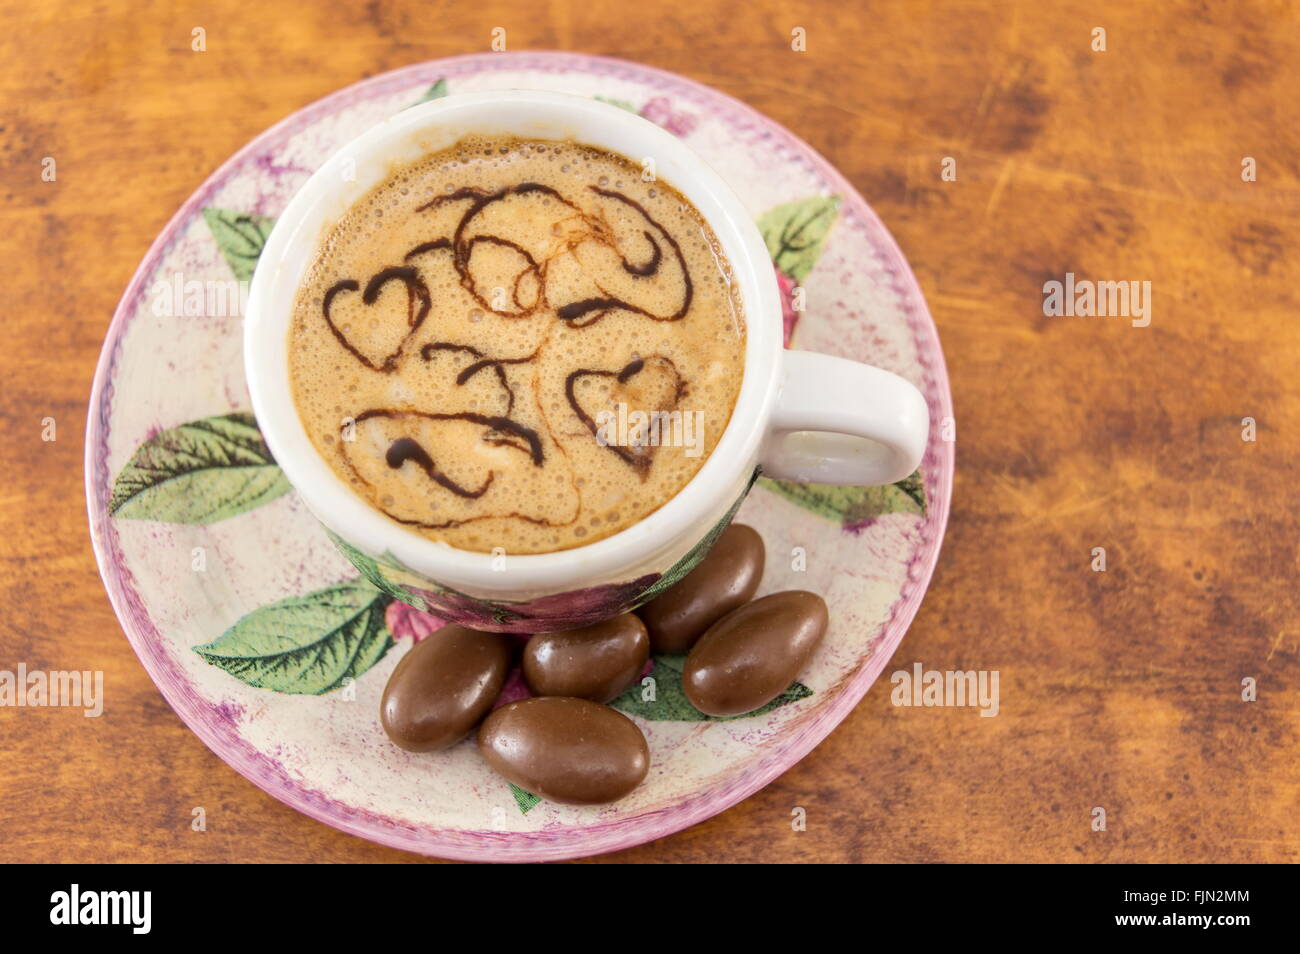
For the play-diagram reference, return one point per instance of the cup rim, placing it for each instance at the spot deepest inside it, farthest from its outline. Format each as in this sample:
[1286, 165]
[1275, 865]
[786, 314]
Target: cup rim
[538, 114]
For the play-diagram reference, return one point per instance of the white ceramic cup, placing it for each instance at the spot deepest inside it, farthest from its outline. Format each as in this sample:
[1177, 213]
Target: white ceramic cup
[799, 416]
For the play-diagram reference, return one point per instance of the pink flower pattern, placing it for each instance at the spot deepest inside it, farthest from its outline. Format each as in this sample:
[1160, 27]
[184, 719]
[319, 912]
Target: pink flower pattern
[660, 110]
[405, 621]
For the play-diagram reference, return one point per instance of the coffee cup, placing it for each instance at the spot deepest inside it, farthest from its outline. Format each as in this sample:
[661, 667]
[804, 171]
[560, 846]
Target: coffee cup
[799, 416]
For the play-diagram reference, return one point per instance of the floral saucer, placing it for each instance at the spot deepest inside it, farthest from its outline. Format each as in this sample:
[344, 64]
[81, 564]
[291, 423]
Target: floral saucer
[264, 639]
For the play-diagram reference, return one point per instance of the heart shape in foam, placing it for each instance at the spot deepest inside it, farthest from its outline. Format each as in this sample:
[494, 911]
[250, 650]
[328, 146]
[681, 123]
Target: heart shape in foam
[626, 415]
[377, 342]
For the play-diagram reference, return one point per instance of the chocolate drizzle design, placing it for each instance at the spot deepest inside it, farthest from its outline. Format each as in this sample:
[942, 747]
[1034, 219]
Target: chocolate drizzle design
[417, 309]
[408, 448]
[524, 295]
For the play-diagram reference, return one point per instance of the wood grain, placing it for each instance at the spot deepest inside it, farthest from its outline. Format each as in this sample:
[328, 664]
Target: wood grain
[1119, 689]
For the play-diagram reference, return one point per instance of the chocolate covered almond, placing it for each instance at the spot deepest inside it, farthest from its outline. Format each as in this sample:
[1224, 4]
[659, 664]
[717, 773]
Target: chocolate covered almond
[443, 687]
[753, 654]
[565, 750]
[725, 579]
[594, 662]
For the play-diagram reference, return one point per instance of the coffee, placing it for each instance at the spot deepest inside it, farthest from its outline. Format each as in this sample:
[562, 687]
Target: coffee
[521, 344]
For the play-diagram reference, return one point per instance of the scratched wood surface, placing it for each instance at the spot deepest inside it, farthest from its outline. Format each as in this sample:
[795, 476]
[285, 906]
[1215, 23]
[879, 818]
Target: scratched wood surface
[1119, 689]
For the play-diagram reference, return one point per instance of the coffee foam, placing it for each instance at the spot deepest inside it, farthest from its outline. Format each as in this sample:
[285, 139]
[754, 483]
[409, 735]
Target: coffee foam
[465, 324]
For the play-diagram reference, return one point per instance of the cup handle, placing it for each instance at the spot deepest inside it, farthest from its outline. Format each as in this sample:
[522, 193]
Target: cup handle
[841, 422]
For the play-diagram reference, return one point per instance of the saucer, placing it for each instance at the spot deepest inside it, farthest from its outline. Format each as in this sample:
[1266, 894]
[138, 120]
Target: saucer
[275, 653]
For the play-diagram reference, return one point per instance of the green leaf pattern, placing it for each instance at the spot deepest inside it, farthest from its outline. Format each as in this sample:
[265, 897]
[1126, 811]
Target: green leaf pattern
[437, 91]
[306, 644]
[241, 237]
[796, 232]
[199, 473]
[620, 103]
[525, 800]
[853, 506]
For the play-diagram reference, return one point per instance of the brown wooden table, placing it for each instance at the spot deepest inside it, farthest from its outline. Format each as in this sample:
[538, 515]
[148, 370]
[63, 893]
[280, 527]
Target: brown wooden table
[1120, 689]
